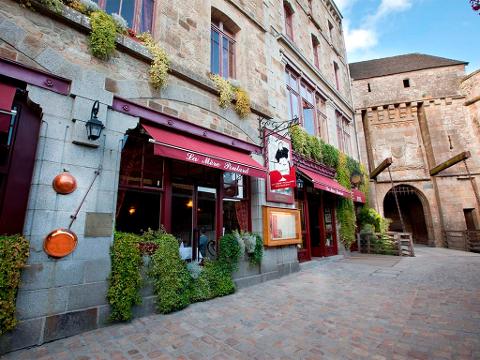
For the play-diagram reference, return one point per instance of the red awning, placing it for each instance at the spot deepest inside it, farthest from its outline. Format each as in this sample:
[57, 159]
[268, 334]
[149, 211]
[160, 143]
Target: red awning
[358, 196]
[7, 93]
[323, 183]
[187, 148]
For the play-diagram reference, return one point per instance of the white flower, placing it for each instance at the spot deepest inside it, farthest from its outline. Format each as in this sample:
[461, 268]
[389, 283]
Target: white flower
[90, 5]
[120, 21]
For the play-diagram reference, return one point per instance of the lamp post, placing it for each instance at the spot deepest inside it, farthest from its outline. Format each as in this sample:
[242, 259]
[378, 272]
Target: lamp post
[94, 126]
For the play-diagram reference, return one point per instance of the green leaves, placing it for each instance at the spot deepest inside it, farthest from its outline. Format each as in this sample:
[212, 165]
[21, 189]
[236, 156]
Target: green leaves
[125, 279]
[103, 35]
[14, 251]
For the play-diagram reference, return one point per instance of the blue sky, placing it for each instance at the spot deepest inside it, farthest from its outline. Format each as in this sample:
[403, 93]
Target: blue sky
[380, 28]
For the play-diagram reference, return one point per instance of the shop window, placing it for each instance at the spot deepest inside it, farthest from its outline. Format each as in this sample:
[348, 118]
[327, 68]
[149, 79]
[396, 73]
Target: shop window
[406, 83]
[138, 13]
[288, 13]
[236, 204]
[315, 46]
[222, 45]
[140, 185]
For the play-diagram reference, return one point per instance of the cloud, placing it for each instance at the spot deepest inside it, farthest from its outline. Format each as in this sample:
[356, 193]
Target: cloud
[359, 39]
[365, 37]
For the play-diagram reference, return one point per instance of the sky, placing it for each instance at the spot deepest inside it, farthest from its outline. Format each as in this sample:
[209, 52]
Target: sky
[379, 28]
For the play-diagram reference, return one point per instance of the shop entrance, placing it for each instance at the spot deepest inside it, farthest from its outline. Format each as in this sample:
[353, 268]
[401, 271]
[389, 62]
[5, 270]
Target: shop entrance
[194, 209]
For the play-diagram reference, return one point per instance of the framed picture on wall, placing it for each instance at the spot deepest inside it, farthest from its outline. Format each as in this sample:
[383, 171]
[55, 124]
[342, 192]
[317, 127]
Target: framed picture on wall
[278, 157]
[281, 226]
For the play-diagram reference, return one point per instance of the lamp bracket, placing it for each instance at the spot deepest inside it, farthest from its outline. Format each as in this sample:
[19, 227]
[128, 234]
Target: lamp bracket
[275, 127]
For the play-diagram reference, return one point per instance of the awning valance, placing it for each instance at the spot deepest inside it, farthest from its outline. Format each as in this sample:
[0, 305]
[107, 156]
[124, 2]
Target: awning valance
[323, 183]
[358, 196]
[198, 151]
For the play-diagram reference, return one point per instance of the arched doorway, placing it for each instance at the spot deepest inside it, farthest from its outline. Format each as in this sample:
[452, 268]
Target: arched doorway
[412, 209]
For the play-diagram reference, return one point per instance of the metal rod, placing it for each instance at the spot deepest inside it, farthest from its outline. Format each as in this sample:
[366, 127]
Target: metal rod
[396, 201]
[474, 186]
[74, 215]
[12, 112]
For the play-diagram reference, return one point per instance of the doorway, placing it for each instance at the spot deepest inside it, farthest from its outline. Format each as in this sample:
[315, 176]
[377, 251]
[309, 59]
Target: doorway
[194, 208]
[321, 216]
[412, 212]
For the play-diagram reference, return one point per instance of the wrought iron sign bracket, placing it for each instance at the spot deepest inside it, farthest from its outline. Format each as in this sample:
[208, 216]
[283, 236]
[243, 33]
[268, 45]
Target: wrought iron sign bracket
[274, 127]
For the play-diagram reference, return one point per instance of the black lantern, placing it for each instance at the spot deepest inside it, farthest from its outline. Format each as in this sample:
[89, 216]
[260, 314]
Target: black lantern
[299, 183]
[94, 126]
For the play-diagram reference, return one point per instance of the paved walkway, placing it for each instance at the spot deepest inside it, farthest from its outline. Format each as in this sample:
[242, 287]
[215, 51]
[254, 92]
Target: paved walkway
[364, 307]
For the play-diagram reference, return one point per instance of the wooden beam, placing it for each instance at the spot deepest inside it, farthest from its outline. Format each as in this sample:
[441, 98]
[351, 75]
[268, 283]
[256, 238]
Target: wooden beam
[383, 165]
[450, 162]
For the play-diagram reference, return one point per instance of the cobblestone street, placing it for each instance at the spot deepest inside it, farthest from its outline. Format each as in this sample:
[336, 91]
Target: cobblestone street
[364, 307]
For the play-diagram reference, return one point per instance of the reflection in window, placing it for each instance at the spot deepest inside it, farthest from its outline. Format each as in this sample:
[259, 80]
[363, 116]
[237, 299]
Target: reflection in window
[222, 52]
[137, 13]
[236, 206]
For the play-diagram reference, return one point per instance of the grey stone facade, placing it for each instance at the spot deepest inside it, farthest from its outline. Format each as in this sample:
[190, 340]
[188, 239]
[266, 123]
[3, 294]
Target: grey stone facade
[59, 298]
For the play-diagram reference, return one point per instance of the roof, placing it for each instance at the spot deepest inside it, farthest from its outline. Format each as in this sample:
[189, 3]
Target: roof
[398, 64]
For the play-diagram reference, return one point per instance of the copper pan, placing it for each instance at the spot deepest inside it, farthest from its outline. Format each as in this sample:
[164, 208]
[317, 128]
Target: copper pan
[60, 243]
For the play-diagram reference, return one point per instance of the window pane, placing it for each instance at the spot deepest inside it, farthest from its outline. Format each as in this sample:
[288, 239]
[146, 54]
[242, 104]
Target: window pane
[294, 110]
[146, 16]
[214, 53]
[308, 120]
[128, 11]
[225, 57]
[152, 168]
[233, 185]
[231, 60]
[293, 83]
[112, 6]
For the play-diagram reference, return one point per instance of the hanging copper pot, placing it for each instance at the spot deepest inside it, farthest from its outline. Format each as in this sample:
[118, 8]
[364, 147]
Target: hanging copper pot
[64, 183]
[60, 243]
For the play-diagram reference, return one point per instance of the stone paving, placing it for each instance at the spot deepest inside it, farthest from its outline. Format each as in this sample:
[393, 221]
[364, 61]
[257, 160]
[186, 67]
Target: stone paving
[362, 307]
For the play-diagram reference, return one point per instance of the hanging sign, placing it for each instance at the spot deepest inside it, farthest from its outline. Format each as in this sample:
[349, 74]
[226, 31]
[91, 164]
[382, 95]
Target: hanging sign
[281, 170]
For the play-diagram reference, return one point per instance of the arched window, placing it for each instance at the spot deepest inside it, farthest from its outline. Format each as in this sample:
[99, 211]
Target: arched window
[222, 44]
[138, 13]
[288, 12]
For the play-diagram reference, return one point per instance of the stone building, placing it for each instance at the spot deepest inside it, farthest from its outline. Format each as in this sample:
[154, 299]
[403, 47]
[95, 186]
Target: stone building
[421, 110]
[143, 169]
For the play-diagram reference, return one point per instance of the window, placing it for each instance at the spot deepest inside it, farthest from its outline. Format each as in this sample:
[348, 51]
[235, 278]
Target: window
[330, 30]
[288, 20]
[301, 102]
[222, 51]
[322, 123]
[337, 79]
[138, 13]
[236, 204]
[406, 83]
[315, 45]
[343, 134]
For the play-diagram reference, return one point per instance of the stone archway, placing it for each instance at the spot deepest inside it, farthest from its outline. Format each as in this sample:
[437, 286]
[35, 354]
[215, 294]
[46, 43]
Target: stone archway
[415, 212]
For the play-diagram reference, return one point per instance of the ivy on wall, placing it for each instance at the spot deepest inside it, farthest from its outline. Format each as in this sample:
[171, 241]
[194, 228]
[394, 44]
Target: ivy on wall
[345, 208]
[160, 64]
[125, 279]
[227, 92]
[103, 35]
[14, 251]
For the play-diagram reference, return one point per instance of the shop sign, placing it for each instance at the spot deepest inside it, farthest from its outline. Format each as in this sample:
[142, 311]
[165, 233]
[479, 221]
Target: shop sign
[280, 168]
[216, 163]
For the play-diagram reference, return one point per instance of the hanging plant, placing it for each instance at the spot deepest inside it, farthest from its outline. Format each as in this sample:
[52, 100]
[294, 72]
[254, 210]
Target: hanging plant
[242, 106]
[14, 251]
[103, 35]
[54, 5]
[225, 90]
[160, 64]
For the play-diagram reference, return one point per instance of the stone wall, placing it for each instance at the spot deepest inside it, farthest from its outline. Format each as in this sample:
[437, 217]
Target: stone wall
[420, 127]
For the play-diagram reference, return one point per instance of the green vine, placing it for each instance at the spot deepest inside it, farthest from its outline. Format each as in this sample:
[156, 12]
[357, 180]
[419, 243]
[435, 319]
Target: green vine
[160, 64]
[14, 251]
[299, 139]
[345, 209]
[242, 105]
[171, 279]
[225, 90]
[125, 280]
[257, 255]
[330, 155]
[103, 35]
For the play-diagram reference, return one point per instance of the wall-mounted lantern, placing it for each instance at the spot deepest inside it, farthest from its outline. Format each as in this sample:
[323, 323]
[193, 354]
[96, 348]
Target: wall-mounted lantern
[300, 183]
[94, 126]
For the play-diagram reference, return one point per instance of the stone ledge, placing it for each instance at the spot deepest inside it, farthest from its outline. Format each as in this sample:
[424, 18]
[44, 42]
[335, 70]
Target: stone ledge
[134, 48]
